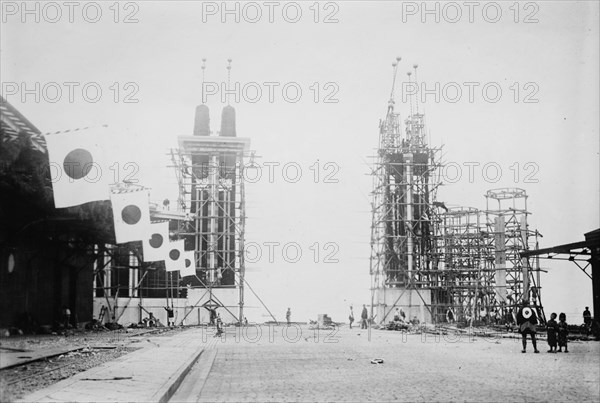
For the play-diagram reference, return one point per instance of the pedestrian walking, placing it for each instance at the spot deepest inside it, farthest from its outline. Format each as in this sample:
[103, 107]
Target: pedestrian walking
[527, 320]
[364, 316]
[552, 328]
[351, 317]
[563, 331]
[288, 316]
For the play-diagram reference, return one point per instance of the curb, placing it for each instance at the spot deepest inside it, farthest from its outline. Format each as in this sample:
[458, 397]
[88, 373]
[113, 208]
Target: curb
[165, 393]
[191, 389]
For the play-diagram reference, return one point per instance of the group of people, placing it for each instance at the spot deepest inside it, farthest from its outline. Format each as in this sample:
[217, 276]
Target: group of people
[496, 316]
[557, 331]
[364, 316]
[399, 316]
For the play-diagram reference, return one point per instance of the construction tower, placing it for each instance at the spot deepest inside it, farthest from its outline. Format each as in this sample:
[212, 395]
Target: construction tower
[405, 181]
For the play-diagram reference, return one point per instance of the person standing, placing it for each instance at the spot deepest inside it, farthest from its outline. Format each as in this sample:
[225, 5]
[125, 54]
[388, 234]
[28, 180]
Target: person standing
[364, 316]
[587, 320]
[170, 316]
[213, 315]
[219, 326]
[552, 328]
[288, 316]
[449, 315]
[351, 317]
[527, 320]
[66, 316]
[563, 331]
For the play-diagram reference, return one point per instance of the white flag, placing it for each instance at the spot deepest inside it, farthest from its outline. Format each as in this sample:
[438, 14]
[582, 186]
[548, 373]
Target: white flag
[155, 244]
[175, 256]
[189, 260]
[78, 167]
[131, 213]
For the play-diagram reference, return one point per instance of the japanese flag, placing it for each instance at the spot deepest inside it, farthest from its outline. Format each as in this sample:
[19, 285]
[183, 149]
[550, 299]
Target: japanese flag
[78, 167]
[175, 256]
[189, 261]
[156, 242]
[131, 213]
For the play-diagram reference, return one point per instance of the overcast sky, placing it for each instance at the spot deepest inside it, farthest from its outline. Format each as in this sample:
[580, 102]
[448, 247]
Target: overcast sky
[541, 56]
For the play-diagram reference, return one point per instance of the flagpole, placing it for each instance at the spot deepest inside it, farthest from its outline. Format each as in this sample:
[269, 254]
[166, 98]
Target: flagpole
[167, 286]
[172, 290]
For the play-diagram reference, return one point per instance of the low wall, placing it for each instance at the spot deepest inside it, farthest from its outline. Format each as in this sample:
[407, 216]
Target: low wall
[187, 311]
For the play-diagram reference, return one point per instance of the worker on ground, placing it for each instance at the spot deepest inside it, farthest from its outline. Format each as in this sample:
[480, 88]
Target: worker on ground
[66, 316]
[449, 315]
[170, 316]
[527, 321]
[219, 325]
[587, 320]
[364, 316]
[397, 315]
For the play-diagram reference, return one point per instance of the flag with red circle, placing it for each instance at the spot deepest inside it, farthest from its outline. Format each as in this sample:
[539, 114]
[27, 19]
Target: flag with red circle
[189, 261]
[175, 256]
[155, 244]
[78, 166]
[131, 214]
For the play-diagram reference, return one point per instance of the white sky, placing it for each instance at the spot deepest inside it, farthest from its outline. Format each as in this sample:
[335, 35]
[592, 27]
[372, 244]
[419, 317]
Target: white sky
[162, 53]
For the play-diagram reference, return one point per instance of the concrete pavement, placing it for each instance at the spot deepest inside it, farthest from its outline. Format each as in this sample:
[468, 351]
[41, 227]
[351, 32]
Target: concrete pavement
[150, 374]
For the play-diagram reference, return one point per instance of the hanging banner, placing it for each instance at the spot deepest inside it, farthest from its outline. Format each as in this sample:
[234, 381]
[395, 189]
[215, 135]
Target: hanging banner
[155, 244]
[131, 214]
[175, 256]
[78, 167]
[189, 260]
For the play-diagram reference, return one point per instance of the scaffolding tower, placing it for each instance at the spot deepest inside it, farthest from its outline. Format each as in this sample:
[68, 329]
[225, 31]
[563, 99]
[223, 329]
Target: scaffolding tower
[516, 278]
[441, 263]
[209, 171]
[406, 175]
[464, 263]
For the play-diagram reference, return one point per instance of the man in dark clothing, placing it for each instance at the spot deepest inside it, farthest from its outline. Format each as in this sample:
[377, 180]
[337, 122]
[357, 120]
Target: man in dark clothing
[219, 325]
[170, 316]
[213, 315]
[66, 317]
[552, 328]
[527, 319]
[364, 316]
[587, 320]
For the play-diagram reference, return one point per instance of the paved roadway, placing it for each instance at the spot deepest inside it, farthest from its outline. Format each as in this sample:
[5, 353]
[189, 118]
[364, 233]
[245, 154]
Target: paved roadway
[302, 365]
